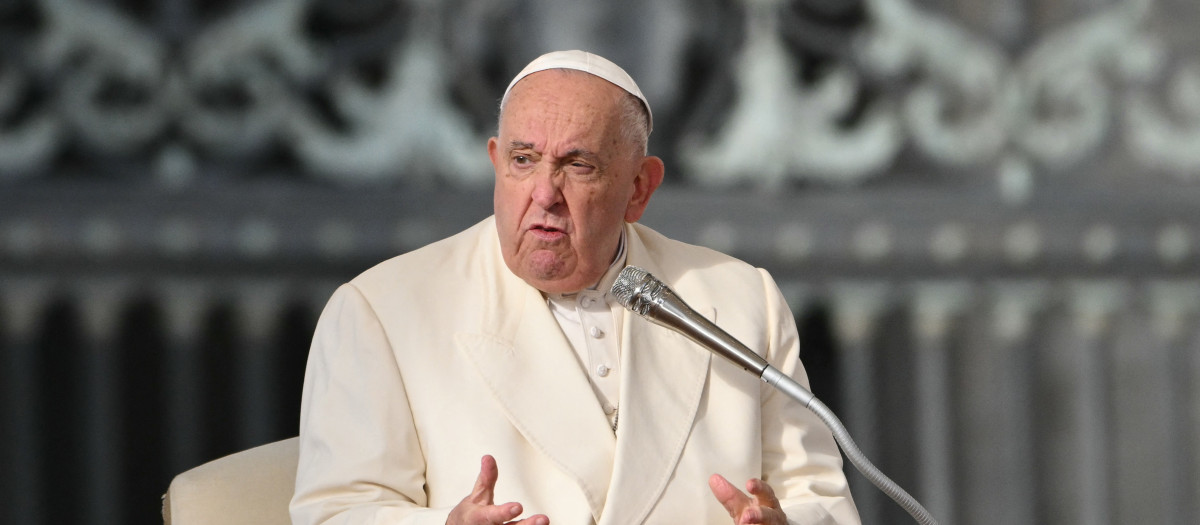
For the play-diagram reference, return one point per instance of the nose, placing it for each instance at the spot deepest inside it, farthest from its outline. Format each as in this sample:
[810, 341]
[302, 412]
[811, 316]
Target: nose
[547, 188]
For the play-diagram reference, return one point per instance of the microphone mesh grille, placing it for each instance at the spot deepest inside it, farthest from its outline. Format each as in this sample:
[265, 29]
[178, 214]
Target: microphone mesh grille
[627, 284]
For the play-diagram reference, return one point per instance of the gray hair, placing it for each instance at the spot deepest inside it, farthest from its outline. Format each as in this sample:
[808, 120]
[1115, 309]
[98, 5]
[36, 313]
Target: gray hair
[635, 123]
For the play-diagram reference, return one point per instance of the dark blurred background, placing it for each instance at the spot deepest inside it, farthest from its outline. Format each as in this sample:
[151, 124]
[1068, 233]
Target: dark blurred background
[985, 215]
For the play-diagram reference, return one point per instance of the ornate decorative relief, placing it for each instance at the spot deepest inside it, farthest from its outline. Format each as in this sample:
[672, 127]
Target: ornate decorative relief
[956, 97]
[755, 91]
[778, 128]
[408, 127]
[254, 80]
[1169, 141]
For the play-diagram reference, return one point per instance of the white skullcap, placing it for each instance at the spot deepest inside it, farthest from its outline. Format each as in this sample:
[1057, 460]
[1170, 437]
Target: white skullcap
[588, 63]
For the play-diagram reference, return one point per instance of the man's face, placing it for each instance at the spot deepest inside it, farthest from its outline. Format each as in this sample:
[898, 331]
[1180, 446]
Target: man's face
[566, 180]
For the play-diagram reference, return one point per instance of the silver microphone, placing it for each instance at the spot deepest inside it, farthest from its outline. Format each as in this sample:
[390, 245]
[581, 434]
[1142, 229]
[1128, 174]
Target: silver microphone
[643, 294]
[648, 297]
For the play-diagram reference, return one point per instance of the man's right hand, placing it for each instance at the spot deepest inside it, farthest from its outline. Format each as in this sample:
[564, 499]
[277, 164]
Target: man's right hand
[479, 509]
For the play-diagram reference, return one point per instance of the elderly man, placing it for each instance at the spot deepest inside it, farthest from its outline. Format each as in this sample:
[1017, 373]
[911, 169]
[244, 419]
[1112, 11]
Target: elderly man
[500, 346]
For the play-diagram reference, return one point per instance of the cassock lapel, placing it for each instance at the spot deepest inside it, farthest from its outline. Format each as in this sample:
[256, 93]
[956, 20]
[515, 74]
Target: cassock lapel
[530, 368]
[663, 378]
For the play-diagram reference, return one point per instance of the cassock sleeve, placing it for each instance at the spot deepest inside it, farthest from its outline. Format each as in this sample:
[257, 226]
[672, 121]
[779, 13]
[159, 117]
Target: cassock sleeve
[801, 460]
[360, 458]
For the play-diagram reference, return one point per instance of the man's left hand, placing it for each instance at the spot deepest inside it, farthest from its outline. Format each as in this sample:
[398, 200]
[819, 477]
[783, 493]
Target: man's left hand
[763, 507]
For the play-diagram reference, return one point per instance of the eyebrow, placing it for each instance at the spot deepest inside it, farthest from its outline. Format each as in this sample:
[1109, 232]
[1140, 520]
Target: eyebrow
[581, 153]
[577, 152]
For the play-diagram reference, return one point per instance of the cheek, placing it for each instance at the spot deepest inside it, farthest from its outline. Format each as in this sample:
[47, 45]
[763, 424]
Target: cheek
[602, 209]
[508, 220]
[595, 216]
[508, 201]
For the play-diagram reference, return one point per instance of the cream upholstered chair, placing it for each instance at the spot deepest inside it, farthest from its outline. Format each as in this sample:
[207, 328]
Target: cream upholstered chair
[252, 487]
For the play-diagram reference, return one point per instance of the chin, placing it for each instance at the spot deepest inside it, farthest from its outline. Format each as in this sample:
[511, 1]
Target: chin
[553, 283]
[550, 283]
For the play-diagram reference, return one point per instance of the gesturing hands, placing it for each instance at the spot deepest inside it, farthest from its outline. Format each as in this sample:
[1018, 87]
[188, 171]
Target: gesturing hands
[763, 508]
[478, 507]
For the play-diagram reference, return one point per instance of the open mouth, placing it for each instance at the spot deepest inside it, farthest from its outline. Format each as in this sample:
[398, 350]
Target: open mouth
[548, 233]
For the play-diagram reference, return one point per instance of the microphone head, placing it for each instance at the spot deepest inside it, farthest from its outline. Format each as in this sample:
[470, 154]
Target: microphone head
[636, 289]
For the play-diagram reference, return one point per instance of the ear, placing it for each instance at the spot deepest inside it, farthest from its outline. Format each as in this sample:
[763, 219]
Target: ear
[494, 152]
[647, 180]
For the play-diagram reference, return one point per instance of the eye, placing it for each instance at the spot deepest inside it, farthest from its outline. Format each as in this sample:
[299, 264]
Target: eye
[522, 161]
[581, 167]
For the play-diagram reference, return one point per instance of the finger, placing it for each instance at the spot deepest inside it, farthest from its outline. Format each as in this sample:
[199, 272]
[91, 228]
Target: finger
[538, 519]
[751, 516]
[500, 513]
[730, 497]
[763, 493]
[485, 484]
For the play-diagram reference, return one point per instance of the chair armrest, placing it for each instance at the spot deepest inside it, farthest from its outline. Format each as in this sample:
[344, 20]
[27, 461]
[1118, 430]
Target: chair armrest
[251, 487]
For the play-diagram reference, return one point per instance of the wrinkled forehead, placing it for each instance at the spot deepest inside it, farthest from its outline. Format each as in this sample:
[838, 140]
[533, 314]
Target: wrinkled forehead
[558, 109]
[564, 87]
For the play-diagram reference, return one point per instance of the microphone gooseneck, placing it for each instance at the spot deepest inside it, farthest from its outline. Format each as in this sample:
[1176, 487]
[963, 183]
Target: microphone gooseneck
[645, 295]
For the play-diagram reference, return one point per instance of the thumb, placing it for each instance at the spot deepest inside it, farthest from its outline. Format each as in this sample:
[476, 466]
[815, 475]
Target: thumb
[485, 484]
[730, 497]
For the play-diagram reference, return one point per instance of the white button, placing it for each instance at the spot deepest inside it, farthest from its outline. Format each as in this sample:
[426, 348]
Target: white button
[597, 332]
[602, 371]
[587, 301]
[609, 409]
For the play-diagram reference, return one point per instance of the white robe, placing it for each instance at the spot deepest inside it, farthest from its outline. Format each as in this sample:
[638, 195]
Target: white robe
[428, 361]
